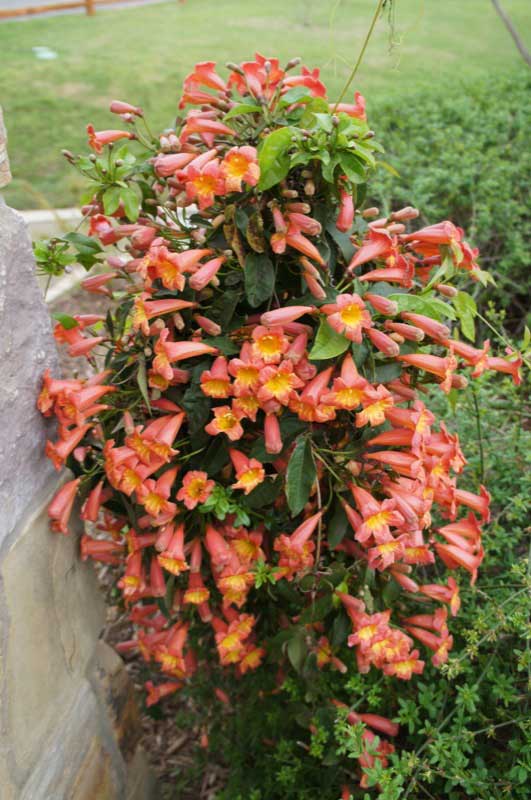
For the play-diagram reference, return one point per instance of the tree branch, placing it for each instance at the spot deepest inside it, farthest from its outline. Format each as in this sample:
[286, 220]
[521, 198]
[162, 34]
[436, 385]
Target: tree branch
[522, 49]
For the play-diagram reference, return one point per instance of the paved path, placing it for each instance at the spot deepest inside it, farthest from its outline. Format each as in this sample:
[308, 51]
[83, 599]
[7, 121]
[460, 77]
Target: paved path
[15, 4]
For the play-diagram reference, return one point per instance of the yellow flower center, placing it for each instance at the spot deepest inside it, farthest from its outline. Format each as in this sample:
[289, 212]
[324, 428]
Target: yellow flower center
[279, 384]
[349, 397]
[215, 387]
[378, 520]
[237, 165]
[205, 185]
[226, 421]
[269, 345]
[195, 488]
[351, 315]
[153, 503]
[250, 476]
[247, 376]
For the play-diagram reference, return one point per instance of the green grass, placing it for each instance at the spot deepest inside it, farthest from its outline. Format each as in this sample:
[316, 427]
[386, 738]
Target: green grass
[141, 55]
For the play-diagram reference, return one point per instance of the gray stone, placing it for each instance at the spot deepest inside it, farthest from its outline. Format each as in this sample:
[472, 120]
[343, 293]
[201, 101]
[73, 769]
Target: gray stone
[68, 718]
[26, 350]
[5, 174]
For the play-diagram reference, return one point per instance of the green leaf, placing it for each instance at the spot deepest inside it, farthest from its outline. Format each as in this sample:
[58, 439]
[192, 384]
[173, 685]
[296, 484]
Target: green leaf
[296, 649]
[241, 109]
[273, 157]
[318, 610]
[424, 304]
[86, 245]
[197, 407]
[466, 308]
[390, 169]
[352, 167]
[223, 343]
[383, 373]
[66, 321]
[300, 475]
[141, 378]
[111, 199]
[328, 343]
[337, 527]
[264, 494]
[329, 168]
[131, 203]
[295, 95]
[259, 278]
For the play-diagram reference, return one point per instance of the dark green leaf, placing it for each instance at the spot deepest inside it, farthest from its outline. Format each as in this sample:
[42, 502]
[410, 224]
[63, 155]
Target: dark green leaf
[337, 527]
[259, 278]
[318, 610]
[300, 475]
[383, 373]
[296, 649]
[141, 378]
[216, 455]
[264, 494]
[197, 407]
[223, 343]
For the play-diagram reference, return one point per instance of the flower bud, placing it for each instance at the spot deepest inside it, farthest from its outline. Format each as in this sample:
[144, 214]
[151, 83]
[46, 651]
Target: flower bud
[446, 290]
[404, 214]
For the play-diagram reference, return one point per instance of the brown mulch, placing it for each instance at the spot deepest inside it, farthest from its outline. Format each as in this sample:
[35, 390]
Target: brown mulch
[172, 750]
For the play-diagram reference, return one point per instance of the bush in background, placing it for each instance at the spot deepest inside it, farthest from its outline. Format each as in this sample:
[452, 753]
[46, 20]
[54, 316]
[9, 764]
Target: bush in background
[464, 153]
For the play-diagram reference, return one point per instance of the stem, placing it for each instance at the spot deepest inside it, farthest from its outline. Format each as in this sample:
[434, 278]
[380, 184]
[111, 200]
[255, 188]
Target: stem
[480, 437]
[362, 53]
[320, 525]
[502, 338]
[522, 49]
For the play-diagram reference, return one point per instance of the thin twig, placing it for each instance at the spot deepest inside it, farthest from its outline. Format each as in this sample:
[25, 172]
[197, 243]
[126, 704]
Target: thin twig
[522, 49]
[362, 53]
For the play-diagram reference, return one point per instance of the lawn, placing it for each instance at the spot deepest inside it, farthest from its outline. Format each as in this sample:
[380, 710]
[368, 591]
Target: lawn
[141, 54]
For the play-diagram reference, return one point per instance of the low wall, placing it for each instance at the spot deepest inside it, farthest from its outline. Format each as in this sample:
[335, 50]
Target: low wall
[68, 719]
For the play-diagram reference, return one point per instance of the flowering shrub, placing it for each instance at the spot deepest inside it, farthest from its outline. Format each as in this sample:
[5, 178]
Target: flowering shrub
[253, 451]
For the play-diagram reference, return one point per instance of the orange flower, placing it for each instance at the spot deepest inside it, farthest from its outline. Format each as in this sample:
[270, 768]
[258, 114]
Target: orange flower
[204, 184]
[97, 139]
[348, 316]
[196, 489]
[240, 164]
[249, 471]
[375, 403]
[172, 556]
[226, 420]
[278, 383]
[269, 344]
[61, 506]
[215, 382]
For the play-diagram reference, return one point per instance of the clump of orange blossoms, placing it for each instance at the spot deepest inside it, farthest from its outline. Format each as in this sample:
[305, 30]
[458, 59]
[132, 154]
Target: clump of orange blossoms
[253, 451]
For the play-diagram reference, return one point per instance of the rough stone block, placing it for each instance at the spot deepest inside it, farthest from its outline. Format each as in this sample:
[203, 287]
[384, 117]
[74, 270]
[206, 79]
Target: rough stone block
[54, 616]
[26, 350]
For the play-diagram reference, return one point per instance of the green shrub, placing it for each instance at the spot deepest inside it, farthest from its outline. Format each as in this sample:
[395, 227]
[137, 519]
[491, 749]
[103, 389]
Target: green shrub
[465, 729]
[463, 152]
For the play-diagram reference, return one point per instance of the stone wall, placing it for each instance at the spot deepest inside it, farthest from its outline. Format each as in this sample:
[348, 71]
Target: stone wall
[68, 719]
